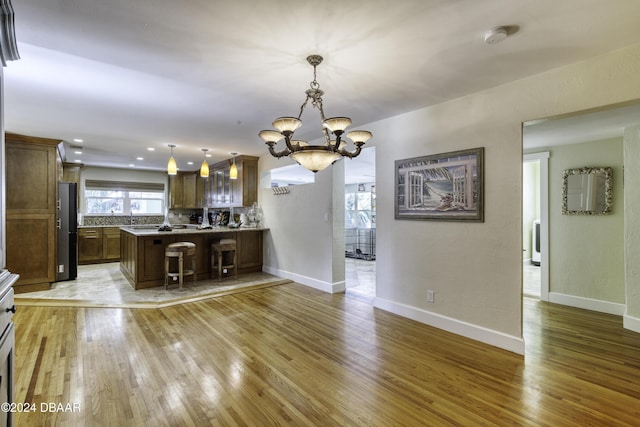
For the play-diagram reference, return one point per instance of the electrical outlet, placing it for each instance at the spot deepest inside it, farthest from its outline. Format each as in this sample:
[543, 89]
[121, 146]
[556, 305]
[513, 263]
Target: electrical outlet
[224, 270]
[430, 296]
[61, 268]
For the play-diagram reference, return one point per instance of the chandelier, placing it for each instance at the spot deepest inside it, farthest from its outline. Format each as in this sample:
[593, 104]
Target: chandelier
[314, 157]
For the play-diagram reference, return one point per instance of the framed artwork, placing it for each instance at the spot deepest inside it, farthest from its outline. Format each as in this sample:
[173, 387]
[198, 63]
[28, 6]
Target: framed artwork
[445, 187]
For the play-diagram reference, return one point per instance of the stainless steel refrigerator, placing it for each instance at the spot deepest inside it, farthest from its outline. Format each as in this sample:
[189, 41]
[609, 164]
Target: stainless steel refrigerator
[67, 265]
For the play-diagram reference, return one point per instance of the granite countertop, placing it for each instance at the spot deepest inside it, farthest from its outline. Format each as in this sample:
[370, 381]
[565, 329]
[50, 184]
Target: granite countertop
[101, 226]
[152, 230]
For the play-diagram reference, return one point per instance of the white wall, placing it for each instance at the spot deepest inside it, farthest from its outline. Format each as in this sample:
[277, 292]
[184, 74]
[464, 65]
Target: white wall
[474, 268]
[631, 227]
[586, 252]
[300, 242]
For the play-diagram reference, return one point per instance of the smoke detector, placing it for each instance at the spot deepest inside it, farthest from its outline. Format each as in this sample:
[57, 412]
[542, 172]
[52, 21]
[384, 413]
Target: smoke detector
[496, 35]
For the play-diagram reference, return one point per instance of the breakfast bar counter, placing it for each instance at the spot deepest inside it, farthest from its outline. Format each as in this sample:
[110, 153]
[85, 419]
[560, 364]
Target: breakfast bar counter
[142, 250]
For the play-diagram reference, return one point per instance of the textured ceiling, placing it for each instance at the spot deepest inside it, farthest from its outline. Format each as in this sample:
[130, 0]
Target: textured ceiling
[126, 75]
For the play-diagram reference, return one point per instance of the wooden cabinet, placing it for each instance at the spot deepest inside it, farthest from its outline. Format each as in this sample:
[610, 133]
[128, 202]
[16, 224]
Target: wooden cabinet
[31, 195]
[111, 244]
[183, 191]
[176, 190]
[189, 190]
[71, 173]
[98, 245]
[243, 191]
[249, 248]
[142, 259]
[89, 245]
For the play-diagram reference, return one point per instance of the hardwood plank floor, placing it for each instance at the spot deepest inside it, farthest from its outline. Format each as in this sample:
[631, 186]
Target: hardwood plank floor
[292, 355]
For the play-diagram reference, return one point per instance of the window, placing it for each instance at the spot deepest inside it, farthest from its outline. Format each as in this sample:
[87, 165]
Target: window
[360, 206]
[117, 197]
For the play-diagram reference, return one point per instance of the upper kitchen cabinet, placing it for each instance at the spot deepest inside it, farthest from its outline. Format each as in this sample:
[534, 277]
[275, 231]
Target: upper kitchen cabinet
[243, 191]
[188, 190]
[182, 190]
[32, 169]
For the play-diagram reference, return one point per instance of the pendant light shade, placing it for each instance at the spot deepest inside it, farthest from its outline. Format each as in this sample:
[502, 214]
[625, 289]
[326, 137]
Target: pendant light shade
[315, 158]
[204, 169]
[233, 172]
[172, 167]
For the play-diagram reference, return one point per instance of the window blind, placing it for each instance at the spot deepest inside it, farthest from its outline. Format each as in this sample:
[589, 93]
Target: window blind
[95, 184]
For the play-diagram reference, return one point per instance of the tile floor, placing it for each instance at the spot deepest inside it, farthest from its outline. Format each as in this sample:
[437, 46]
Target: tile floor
[530, 280]
[103, 285]
[360, 278]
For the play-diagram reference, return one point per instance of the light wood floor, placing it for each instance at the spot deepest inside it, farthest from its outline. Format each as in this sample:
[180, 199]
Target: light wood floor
[292, 355]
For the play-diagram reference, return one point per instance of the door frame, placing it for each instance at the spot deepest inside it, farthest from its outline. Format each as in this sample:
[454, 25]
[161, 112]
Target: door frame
[543, 159]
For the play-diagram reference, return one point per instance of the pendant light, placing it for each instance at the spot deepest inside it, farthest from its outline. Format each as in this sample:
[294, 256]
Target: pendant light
[204, 169]
[233, 172]
[172, 167]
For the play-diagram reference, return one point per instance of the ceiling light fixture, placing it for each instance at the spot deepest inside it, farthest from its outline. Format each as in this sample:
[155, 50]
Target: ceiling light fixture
[314, 157]
[496, 35]
[172, 167]
[233, 171]
[204, 169]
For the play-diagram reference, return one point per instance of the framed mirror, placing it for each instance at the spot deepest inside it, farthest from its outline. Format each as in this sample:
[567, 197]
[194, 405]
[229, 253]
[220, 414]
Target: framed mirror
[587, 191]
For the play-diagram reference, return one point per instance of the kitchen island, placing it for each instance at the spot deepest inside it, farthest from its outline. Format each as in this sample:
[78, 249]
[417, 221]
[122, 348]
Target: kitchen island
[142, 250]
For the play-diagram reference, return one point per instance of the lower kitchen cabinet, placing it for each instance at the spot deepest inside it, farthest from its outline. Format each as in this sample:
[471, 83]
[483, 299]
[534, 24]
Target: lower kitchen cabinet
[89, 245]
[98, 245]
[111, 244]
[142, 259]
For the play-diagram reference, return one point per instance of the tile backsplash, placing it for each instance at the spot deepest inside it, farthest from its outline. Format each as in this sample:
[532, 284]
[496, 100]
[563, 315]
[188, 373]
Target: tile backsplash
[89, 220]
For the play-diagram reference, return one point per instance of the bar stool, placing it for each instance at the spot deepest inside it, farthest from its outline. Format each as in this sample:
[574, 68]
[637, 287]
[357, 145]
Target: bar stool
[179, 251]
[218, 251]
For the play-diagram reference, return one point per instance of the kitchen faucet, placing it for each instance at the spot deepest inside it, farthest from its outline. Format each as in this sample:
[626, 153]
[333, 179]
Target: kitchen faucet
[131, 218]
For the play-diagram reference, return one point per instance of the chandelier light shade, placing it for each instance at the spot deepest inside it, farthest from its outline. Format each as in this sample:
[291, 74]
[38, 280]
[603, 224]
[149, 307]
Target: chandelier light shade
[204, 169]
[172, 167]
[233, 171]
[314, 157]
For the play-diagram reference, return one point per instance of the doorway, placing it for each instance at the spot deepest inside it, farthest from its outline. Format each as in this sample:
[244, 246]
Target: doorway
[360, 226]
[535, 225]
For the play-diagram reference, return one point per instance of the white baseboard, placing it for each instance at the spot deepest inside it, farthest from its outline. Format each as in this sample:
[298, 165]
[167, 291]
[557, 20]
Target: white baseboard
[331, 288]
[587, 303]
[631, 323]
[478, 333]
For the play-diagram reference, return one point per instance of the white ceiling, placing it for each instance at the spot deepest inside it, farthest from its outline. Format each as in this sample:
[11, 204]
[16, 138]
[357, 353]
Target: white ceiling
[126, 75]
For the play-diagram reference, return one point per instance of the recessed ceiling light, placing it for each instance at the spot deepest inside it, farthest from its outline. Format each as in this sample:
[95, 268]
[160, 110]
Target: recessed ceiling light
[132, 165]
[77, 152]
[78, 140]
[139, 158]
[151, 149]
[189, 163]
[78, 161]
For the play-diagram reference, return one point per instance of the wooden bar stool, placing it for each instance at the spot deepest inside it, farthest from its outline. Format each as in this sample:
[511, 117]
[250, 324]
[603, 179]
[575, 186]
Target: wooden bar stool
[219, 261]
[179, 251]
